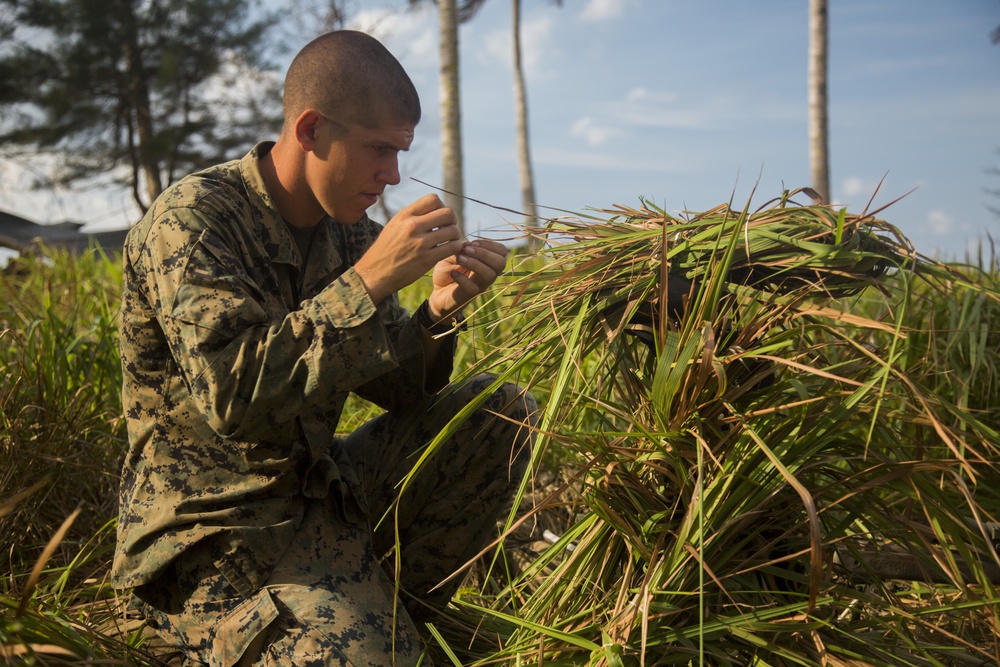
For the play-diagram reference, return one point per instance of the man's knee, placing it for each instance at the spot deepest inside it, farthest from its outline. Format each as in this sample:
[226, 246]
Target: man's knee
[508, 400]
[299, 625]
[513, 413]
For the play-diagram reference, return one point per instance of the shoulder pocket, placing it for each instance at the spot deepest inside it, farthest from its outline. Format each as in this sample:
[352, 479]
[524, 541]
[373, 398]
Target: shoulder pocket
[216, 291]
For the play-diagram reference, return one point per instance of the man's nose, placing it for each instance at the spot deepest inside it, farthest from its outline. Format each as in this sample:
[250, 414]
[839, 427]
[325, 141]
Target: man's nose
[389, 174]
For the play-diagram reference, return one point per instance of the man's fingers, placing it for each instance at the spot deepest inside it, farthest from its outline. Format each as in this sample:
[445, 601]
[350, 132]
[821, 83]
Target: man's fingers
[492, 256]
[443, 251]
[424, 205]
[492, 246]
[466, 284]
[436, 228]
[491, 252]
[424, 215]
[443, 233]
[483, 273]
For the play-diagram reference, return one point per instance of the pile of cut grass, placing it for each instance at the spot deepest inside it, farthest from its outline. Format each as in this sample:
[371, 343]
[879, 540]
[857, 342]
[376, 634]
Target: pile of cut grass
[758, 437]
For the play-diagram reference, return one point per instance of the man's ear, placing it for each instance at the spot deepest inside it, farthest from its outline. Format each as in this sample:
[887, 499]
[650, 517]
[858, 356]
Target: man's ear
[305, 129]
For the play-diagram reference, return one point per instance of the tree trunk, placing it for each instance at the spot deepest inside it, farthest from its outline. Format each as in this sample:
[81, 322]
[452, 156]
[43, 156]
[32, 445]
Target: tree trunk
[137, 93]
[451, 117]
[819, 158]
[525, 175]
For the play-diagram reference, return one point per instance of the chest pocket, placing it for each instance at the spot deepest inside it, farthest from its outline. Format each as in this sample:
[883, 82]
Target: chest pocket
[219, 293]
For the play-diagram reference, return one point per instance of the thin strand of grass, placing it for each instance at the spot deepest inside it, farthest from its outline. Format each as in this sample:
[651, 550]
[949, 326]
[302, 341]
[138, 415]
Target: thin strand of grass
[57, 538]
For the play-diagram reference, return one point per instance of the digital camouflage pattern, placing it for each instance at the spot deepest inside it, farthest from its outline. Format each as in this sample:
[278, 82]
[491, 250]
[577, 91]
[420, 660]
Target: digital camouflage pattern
[329, 601]
[236, 365]
[237, 358]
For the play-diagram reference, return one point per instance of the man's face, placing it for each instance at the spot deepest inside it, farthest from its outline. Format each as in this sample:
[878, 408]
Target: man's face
[353, 165]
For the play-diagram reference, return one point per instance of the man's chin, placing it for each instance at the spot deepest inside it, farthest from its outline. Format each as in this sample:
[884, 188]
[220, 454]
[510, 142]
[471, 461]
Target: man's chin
[348, 222]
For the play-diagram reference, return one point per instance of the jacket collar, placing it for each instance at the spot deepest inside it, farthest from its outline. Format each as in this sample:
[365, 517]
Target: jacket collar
[275, 237]
[324, 258]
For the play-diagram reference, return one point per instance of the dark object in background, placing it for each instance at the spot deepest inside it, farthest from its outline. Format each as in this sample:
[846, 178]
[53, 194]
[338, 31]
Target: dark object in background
[22, 235]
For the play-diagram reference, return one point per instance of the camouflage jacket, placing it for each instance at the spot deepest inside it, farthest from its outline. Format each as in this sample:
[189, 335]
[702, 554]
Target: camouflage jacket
[237, 360]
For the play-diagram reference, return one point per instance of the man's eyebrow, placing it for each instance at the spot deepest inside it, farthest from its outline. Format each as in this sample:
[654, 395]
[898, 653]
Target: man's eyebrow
[384, 143]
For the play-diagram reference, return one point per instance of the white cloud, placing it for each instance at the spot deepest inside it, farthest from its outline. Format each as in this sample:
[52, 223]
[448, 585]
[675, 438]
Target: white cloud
[536, 46]
[864, 190]
[854, 186]
[593, 132]
[536, 41]
[649, 116]
[424, 47]
[643, 107]
[603, 10]
[379, 23]
[608, 162]
[495, 47]
[410, 35]
[940, 222]
[642, 94]
[98, 207]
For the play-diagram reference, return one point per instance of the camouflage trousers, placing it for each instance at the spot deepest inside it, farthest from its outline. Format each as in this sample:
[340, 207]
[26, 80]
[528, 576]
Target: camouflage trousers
[332, 598]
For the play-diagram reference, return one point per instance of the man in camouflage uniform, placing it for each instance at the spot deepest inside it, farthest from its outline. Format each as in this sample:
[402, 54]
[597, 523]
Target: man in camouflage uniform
[257, 296]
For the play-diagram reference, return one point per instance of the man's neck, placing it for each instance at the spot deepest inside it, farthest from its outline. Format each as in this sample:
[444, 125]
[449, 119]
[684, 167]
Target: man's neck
[282, 178]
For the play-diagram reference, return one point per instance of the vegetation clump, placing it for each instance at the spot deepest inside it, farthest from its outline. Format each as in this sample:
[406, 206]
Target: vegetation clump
[768, 437]
[61, 443]
[768, 465]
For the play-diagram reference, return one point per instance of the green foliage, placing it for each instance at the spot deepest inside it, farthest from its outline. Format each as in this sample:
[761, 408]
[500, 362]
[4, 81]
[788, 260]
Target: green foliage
[138, 90]
[60, 399]
[59, 619]
[62, 442]
[762, 434]
[739, 450]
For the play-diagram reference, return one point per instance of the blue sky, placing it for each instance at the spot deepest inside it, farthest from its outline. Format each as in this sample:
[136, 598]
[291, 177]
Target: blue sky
[692, 103]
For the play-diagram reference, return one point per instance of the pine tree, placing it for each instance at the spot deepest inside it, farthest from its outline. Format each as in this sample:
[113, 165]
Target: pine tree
[133, 92]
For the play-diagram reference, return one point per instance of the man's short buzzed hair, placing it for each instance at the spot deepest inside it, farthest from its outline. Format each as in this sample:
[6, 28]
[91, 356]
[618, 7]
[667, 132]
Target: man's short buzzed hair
[351, 78]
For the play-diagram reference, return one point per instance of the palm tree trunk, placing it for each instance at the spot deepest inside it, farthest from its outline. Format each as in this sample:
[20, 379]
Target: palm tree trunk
[451, 118]
[525, 175]
[819, 158]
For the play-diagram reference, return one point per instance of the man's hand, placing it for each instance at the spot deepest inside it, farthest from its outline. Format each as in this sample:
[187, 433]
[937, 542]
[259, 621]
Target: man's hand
[462, 276]
[417, 238]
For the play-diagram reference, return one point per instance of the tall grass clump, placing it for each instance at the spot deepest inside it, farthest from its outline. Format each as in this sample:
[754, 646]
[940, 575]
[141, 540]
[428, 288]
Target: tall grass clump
[61, 442]
[61, 435]
[781, 442]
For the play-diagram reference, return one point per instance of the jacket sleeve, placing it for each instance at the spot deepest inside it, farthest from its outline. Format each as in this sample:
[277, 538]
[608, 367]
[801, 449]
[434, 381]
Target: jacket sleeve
[248, 372]
[410, 381]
